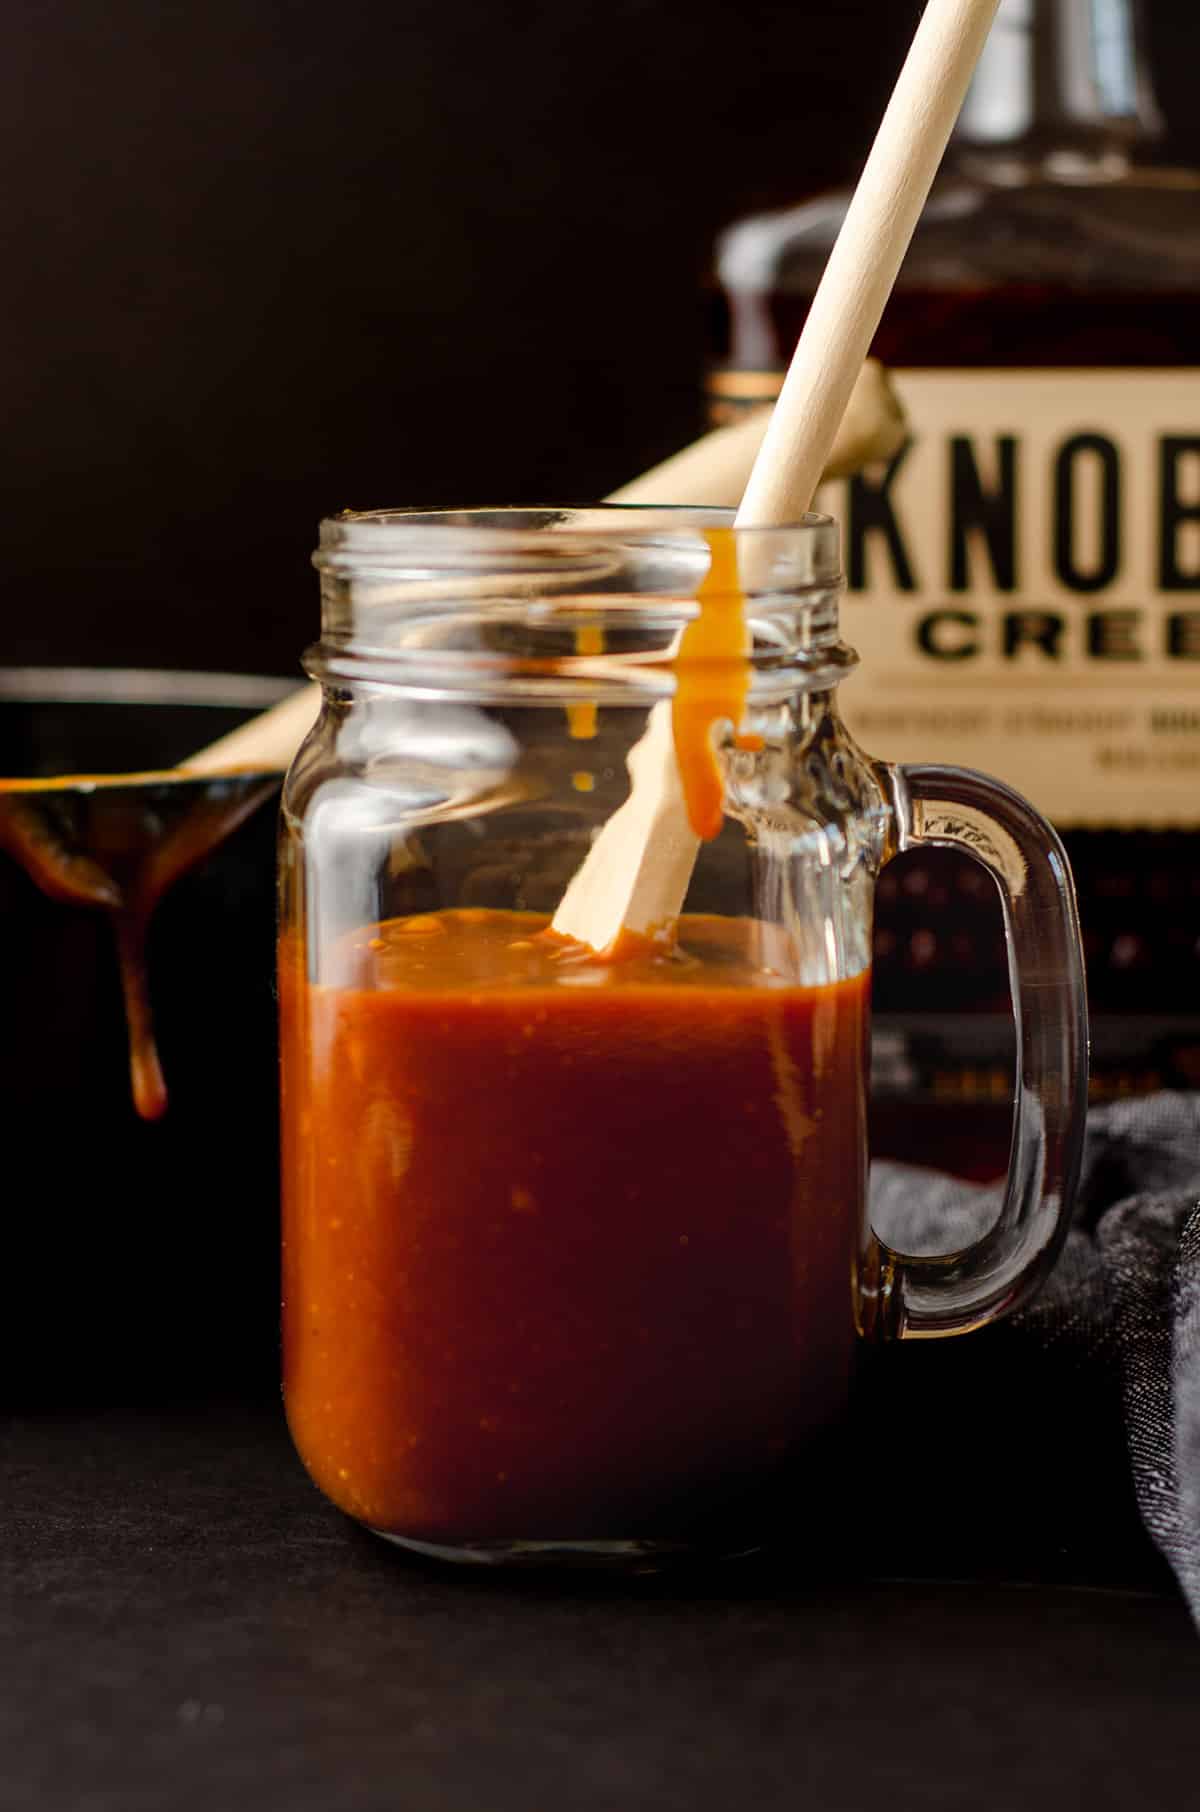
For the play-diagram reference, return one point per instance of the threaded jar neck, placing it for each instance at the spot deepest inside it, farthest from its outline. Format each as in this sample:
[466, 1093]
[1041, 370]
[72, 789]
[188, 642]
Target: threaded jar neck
[521, 602]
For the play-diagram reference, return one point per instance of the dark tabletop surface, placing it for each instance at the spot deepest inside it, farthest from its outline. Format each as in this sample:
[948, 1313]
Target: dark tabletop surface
[188, 1625]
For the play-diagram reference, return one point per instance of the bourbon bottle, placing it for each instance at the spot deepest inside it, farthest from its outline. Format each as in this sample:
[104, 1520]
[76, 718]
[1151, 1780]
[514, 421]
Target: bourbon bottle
[1024, 577]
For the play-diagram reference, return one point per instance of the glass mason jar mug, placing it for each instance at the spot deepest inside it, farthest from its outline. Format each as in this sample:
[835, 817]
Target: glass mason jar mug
[576, 1246]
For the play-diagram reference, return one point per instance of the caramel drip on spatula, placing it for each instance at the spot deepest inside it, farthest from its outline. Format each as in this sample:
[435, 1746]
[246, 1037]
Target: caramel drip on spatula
[712, 683]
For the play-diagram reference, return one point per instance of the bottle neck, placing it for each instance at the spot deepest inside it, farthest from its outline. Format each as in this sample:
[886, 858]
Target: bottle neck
[1061, 82]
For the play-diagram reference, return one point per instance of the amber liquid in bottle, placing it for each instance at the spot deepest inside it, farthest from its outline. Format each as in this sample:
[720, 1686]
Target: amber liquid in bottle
[1054, 241]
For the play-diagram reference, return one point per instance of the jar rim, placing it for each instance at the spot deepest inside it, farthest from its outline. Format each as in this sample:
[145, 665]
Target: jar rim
[538, 599]
[406, 532]
[508, 517]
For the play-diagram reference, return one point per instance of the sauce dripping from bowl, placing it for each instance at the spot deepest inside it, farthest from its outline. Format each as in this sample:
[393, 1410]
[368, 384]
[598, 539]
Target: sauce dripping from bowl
[117, 843]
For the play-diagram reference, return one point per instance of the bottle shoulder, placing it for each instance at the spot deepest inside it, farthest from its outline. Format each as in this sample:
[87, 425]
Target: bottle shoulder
[1131, 231]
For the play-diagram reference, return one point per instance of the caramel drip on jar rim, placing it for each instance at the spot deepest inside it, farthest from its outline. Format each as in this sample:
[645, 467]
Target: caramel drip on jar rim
[712, 682]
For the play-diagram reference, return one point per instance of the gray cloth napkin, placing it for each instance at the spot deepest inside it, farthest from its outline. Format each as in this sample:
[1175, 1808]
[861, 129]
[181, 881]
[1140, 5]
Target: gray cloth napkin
[1023, 1424]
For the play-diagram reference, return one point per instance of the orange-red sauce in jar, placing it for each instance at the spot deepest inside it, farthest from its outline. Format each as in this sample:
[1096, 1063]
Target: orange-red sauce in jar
[568, 1245]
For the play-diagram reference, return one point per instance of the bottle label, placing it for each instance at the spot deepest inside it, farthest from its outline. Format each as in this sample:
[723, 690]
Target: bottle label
[1024, 588]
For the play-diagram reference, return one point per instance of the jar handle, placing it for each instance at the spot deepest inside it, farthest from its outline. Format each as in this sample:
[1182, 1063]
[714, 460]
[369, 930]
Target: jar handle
[953, 808]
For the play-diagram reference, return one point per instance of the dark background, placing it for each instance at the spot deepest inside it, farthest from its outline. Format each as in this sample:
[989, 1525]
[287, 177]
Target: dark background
[261, 264]
[265, 262]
